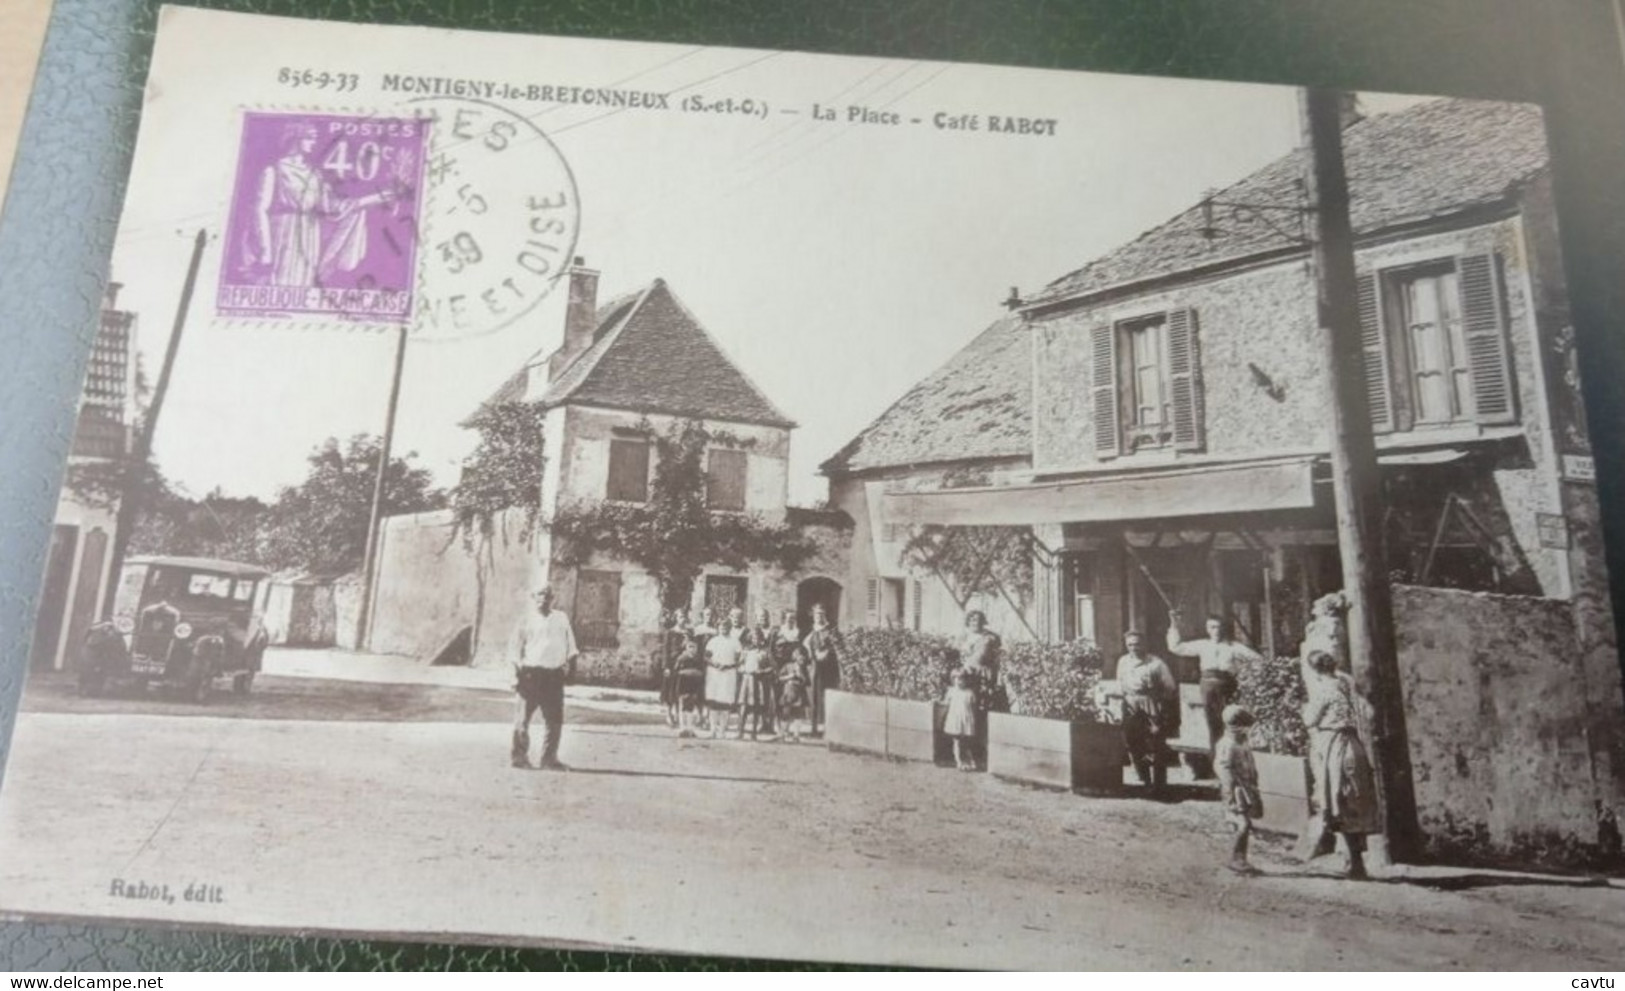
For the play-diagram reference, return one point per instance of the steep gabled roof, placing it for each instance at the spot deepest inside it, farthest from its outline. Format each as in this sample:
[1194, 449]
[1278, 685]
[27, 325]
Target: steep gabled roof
[651, 355]
[1427, 161]
[978, 405]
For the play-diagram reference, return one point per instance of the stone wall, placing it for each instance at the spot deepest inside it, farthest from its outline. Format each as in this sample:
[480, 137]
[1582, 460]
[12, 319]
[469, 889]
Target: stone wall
[1257, 325]
[432, 585]
[1497, 699]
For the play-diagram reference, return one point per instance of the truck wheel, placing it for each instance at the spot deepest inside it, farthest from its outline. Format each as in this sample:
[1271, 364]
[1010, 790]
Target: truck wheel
[242, 683]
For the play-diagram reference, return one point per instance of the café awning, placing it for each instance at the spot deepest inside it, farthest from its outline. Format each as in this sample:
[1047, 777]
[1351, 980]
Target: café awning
[1208, 490]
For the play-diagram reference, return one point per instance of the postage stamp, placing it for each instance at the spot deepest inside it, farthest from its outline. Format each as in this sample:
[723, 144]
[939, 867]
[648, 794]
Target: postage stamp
[324, 218]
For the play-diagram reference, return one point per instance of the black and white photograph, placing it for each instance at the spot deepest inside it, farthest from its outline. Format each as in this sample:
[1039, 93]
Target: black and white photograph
[667, 498]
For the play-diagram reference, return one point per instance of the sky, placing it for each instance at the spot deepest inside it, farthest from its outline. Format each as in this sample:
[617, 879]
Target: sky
[836, 263]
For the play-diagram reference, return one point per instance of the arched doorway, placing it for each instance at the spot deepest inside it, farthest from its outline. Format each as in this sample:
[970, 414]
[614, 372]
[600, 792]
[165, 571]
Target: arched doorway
[824, 592]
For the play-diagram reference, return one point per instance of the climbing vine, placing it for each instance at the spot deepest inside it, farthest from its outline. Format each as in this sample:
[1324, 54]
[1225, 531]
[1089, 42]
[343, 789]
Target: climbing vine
[504, 471]
[674, 536]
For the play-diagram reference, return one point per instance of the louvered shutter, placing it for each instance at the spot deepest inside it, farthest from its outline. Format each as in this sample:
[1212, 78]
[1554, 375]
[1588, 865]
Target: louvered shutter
[1379, 388]
[1185, 375]
[1484, 328]
[872, 602]
[1103, 391]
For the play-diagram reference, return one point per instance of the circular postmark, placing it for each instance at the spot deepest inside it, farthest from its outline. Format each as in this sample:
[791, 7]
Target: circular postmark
[498, 221]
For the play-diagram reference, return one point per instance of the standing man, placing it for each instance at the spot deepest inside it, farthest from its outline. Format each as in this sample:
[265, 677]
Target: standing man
[1150, 708]
[544, 654]
[1221, 658]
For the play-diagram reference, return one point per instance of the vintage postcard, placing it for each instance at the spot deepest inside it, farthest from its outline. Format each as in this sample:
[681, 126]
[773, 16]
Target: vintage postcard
[661, 497]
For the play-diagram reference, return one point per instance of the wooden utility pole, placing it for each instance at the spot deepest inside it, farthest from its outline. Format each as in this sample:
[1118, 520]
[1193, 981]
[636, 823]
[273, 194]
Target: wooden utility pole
[129, 504]
[1356, 485]
[363, 633]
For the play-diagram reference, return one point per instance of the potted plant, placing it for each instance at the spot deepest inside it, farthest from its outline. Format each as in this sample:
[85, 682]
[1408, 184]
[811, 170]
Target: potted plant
[1273, 691]
[1053, 734]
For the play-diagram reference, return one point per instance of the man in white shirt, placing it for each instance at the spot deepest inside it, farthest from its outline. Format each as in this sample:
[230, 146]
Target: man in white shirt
[1221, 659]
[544, 654]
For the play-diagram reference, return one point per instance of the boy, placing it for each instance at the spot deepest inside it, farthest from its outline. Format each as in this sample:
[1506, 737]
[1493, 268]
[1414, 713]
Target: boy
[1238, 783]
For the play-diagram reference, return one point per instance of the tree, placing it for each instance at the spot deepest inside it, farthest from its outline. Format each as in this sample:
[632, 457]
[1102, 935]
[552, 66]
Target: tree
[504, 471]
[321, 524]
[674, 535]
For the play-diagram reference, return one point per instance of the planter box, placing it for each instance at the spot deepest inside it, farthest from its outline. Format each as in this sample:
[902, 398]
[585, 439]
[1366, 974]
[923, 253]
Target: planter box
[1055, 753]
[914, 731]
[855, 722]
[1283, 783]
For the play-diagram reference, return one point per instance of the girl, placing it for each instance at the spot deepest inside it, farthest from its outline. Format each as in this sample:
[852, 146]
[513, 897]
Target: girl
[960, 723]
[755, 684]
[690, 689]
[794, 682]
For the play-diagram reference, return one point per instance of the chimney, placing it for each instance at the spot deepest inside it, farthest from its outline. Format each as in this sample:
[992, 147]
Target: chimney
[580, 318]
[1014, 301]
[110, 296]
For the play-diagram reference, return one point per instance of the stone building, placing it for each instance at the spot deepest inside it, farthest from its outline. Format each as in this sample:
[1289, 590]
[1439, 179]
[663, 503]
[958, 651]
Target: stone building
[1156, 420]
[80, 554]
[628, 368]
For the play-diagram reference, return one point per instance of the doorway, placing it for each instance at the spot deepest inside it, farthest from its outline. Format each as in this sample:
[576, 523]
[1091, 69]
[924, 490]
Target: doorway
[824, 592]
[53, 604]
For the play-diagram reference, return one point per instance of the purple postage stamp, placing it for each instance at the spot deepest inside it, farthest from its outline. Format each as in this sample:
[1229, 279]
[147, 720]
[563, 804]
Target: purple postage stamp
[324, 218]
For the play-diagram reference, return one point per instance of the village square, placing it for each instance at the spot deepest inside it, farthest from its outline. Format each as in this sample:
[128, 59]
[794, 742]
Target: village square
[1092, 561]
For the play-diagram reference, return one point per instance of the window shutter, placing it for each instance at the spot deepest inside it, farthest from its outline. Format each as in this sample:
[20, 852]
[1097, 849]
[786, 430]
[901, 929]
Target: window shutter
[1484, 328]
[873, 601]
[919, 595]
[1379, 389]
[1103, 391]
[1185, 375]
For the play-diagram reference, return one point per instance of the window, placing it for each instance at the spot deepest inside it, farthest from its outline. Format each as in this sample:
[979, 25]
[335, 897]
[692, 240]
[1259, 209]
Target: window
[598, 608]
[725, 480]
[209, 586]
[1146, 387]
[723, 594]
[628, 470]
[892, 591]
[1434, 338]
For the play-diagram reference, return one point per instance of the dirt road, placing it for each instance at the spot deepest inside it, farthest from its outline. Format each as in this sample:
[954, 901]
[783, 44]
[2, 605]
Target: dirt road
[412, 827]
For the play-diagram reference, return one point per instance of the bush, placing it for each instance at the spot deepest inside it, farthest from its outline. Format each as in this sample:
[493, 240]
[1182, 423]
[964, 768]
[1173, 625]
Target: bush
[1053, 680]
[899, 664]
[617, 669]
[1273, 691]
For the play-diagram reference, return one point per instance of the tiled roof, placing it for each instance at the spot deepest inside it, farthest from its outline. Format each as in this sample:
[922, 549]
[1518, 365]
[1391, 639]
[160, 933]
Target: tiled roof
[976, 406]
[1426, 161]
[650, 354]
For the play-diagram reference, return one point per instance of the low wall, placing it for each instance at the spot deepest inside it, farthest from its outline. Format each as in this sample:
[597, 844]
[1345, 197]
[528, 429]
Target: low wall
[1496, 700]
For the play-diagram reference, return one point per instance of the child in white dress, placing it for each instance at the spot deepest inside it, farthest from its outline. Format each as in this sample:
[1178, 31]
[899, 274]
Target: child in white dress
[960, 723]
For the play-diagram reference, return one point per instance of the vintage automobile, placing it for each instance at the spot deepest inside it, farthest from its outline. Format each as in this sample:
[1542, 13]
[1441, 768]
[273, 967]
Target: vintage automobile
[182, 621]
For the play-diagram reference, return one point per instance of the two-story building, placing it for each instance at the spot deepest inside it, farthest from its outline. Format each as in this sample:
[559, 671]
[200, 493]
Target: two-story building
[626, 371]
[80, 554]
[1165, 443]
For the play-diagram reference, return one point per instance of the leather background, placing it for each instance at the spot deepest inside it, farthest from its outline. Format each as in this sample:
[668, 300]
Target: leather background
[57, 226]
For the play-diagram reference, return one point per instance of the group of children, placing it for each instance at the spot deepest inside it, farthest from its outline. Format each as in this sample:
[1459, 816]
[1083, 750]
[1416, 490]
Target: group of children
[728, 675]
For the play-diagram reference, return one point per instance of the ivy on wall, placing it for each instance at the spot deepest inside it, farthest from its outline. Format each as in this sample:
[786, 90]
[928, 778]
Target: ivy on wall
[674, 536]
